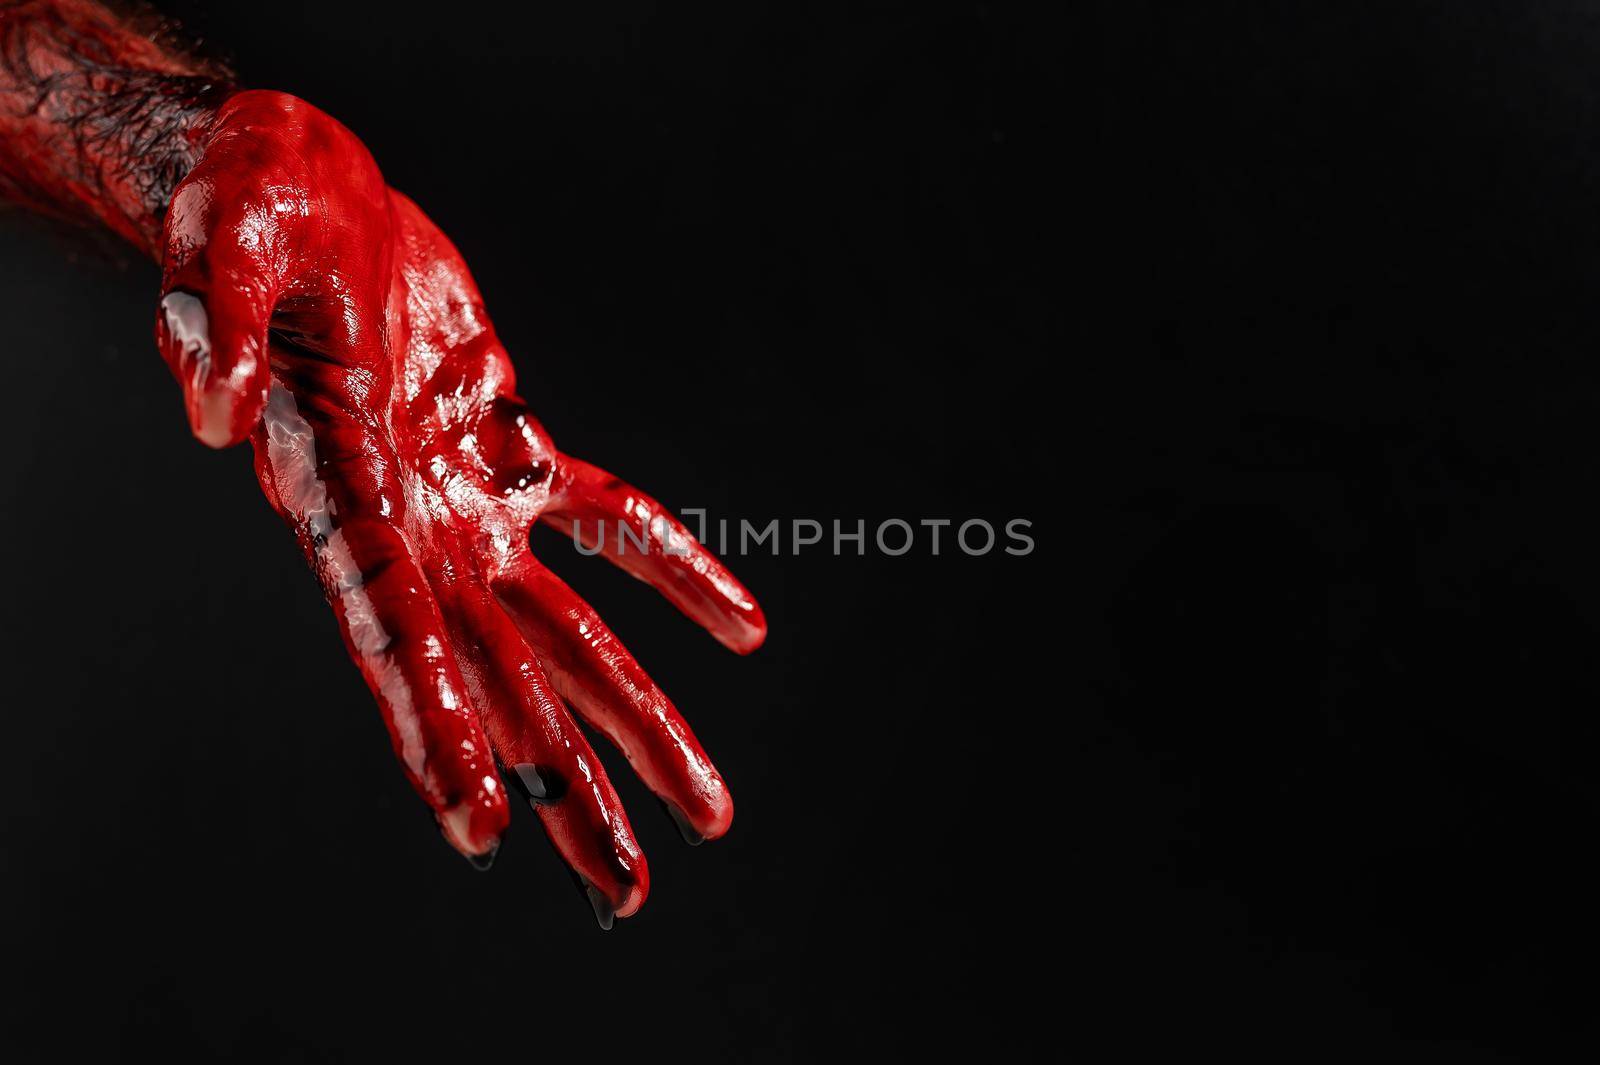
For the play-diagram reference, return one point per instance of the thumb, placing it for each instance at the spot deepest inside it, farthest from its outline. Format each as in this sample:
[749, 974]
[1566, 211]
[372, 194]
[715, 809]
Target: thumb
[212, 332]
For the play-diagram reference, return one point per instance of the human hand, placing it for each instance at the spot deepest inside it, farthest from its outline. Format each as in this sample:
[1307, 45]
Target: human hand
[311, 309]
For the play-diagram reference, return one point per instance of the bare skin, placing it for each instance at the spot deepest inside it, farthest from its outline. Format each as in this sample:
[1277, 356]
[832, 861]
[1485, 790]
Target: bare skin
[317, 313]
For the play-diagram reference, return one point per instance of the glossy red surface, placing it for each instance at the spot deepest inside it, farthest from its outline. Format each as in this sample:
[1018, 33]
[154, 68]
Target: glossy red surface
[312, 310]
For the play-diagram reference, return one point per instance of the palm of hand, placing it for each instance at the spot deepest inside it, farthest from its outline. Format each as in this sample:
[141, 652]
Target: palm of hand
[320, 314]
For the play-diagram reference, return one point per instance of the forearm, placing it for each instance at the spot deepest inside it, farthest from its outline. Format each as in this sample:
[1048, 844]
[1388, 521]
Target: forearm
[99, 120]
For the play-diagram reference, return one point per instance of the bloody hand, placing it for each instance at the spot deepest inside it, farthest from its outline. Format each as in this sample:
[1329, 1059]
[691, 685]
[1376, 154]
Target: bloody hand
[311, 309]
[319, 313]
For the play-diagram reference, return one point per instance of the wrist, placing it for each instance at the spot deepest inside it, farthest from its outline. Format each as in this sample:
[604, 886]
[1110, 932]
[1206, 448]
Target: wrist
[98, 121]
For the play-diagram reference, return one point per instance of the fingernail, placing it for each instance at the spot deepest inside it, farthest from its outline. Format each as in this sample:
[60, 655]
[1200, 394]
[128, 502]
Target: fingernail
[210, 402]
[540, 787]
[188, 329]
[455, 825]
[604, 912]
[685, 828]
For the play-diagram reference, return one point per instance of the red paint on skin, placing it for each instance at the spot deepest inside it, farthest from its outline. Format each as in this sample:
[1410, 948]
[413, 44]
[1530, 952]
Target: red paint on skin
[311, 309]
[81, 93]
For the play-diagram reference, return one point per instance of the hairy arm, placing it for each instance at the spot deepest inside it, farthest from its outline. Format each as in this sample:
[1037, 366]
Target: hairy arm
[100, 115]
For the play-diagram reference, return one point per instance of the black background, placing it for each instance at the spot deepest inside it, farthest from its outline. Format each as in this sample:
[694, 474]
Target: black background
[1312, 282]
[761, 259]
[1347, 254]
